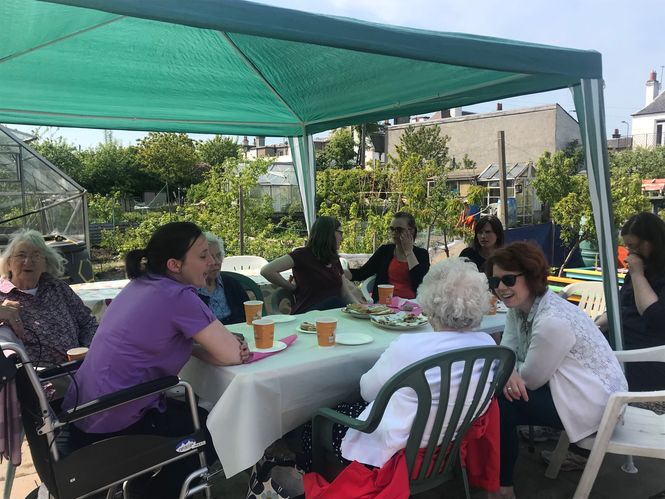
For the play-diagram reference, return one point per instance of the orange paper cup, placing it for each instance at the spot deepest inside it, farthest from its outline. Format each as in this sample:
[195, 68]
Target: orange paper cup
[76, 353]
[385, 293]
[492, 310]
[325, 331]
[264, 333]
[253, 310]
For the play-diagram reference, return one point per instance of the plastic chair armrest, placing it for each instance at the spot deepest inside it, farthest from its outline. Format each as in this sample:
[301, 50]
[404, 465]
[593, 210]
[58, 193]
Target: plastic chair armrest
[651, 354]
[63, 369]
[119, 398]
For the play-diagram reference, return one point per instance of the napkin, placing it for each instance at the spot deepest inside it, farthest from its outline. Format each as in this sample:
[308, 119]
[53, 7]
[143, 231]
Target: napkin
[262, 355]
[397, 303]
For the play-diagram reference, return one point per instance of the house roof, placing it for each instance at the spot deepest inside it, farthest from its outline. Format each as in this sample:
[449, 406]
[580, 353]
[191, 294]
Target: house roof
[656, 107]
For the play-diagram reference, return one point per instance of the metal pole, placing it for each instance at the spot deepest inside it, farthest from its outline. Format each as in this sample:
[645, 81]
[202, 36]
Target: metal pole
[503, 194]
[241, 206]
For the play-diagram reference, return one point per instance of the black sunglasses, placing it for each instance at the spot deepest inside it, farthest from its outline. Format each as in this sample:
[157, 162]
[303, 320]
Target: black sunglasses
[508, 279]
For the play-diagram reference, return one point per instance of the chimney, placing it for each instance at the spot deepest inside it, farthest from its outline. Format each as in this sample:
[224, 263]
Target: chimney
[616, 134]
[456, 112]
[653, 88]
[260, 141]
[499, 106]
[400, 120]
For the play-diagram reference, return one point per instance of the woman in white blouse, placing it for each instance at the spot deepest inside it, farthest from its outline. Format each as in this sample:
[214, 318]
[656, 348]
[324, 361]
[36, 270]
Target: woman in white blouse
[565, 369]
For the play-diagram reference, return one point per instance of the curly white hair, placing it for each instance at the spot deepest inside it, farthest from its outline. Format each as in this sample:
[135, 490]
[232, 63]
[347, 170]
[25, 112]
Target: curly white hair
[455, 294]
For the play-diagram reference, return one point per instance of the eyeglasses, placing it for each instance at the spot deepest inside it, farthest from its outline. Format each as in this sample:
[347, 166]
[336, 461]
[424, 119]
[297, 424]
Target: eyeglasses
[35, 257]
[508, 279]
[397, 229]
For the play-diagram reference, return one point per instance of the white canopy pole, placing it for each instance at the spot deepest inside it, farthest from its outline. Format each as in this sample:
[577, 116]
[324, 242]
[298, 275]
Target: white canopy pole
[590, 109]
[302, 152]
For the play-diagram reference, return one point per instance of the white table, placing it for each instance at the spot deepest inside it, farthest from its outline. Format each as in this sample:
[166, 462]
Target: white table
[258, 403]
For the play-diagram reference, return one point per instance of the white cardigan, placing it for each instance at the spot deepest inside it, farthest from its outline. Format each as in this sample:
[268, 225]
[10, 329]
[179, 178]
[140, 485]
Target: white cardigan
[564, 347]
[391, 435]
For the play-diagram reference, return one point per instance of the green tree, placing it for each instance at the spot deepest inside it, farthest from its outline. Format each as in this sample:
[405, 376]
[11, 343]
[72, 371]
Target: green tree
[217, 150]
[645, 163]
[424, 141]
[339, 152]
[63, 155]
[172, 157]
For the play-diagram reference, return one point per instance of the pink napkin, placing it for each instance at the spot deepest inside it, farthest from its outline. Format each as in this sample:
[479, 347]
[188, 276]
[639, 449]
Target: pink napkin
[262, 355]
[397, 303]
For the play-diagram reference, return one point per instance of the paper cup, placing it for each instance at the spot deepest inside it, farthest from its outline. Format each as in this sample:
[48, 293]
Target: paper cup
[76, 353]
[253, 310]
[386, 293]
[492, 310]
[325, 331]
[264, 333]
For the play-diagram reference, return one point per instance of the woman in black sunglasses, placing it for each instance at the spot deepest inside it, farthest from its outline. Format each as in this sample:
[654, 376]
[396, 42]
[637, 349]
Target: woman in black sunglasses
[565, 369]
[488, 237]
[401, 263]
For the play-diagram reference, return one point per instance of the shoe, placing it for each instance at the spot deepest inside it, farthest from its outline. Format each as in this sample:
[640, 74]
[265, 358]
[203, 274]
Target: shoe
[572, 462]
[540, 433]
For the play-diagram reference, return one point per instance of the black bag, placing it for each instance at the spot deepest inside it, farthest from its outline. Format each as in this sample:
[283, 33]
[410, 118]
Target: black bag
[275, 477]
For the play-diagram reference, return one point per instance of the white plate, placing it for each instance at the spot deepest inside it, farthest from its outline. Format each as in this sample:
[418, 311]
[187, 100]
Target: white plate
[281, 318]
[277, 346]
[362, 315]
[305, 331]
[400, 326]
[353, 339]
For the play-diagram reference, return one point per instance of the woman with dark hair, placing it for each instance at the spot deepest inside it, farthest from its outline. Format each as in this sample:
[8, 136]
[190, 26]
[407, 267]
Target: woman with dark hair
[400, 263]
[318, 278]
[149, 331]
[642, 298]
[565, 370]
[488, 236]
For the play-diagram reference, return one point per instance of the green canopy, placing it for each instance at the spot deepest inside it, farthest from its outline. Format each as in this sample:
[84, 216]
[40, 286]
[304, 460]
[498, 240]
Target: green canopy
[236, 67]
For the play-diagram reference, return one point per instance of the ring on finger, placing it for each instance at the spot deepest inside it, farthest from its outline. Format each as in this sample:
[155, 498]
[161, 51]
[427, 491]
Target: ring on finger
[510, 388]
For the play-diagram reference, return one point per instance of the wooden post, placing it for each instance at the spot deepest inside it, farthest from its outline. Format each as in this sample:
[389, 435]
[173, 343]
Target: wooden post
[241, 210]
[503, 194]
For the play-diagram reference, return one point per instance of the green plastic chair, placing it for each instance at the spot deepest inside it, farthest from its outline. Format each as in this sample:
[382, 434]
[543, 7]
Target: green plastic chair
[253, 289]
[278, 298]
[497, 362]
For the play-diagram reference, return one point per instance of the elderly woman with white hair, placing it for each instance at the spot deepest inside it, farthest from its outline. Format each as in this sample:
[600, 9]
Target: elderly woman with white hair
[222, 294]
[454, 296]
[45, 313]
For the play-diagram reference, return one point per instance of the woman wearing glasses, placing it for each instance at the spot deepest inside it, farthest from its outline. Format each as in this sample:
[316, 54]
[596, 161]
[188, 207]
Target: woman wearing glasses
[42, 309]
[400, 263]
[318, 278]
[488, 237]
[565, 369]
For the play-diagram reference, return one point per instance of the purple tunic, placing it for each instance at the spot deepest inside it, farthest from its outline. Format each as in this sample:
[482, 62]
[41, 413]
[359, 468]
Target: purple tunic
[146, 334]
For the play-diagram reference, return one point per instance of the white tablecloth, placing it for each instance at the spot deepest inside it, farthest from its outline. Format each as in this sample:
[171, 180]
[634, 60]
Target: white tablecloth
[257, 403]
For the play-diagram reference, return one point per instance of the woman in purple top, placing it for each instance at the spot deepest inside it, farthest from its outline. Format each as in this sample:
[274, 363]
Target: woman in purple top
[318, 279]
[149, 331]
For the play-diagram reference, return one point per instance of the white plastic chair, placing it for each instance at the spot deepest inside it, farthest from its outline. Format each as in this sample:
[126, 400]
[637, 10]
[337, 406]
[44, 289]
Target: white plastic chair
[344, 263]
[592, 296]
[243, 263]
[626, 430]
[367, 286]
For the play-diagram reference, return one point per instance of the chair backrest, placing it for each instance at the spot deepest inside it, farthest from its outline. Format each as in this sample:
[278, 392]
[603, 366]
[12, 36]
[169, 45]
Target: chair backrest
[243, 263]
[592, 296]
[248, 284]
[367, 286]
[344, 263]
[495, 364]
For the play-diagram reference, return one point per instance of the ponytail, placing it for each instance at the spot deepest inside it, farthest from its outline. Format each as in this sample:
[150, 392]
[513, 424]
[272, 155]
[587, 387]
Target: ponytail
[133, 266]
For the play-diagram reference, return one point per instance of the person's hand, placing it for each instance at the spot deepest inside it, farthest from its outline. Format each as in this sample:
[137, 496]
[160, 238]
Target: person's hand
[245, 354]
[406, 242]
[635, 263]
[515, 388]
[292, 281]
[10, 316]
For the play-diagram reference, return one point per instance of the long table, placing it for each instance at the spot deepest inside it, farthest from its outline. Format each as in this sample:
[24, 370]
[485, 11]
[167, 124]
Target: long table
[255, 404]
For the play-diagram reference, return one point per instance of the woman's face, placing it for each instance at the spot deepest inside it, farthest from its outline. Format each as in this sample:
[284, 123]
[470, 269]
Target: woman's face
[637, 246]
[399, 226]
[26, 264]
[486, 236]
[217, 259]
[516, 295]
[193, 269]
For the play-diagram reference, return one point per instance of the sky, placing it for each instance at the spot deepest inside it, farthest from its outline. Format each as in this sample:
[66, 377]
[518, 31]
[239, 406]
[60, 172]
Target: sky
[628, 34]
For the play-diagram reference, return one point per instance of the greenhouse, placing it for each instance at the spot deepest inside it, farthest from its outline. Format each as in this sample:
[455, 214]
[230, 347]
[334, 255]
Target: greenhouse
[34, 194]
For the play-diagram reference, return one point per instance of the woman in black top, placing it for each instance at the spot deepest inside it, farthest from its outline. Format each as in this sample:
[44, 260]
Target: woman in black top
[401, 263]
[488, 236]
[642, 298]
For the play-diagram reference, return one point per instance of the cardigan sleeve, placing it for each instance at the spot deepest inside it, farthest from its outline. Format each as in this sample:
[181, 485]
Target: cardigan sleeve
[654, 315]
[86, 323]
[417, 273]
[371, 266]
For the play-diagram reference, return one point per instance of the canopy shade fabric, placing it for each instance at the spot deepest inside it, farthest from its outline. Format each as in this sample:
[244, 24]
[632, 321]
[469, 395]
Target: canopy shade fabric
[223, 66]
[236, 67]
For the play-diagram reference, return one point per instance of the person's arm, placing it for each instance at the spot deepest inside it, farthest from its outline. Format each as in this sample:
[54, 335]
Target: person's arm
[551, 340]
[10, 316]
[218, 346]
[350, 292]
[272, 271]
[370, 267]
[417, 272]
[644, 294]
[86, 323]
